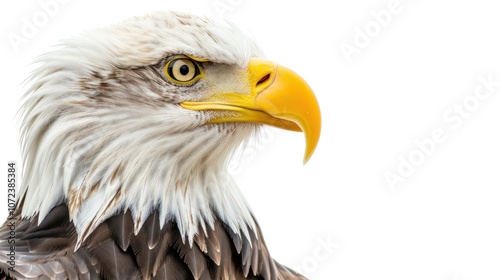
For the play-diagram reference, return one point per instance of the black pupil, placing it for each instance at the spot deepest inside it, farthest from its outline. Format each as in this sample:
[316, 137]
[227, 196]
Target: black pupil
[184, 70]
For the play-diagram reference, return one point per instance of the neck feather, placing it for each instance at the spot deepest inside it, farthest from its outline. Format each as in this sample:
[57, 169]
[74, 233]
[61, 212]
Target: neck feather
[99, 173]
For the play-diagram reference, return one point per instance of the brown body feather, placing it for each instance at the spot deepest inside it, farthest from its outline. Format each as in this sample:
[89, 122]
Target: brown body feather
[113, 251]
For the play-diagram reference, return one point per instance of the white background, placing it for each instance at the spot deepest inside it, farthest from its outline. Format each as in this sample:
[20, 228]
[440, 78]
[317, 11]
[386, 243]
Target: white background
[442, 222]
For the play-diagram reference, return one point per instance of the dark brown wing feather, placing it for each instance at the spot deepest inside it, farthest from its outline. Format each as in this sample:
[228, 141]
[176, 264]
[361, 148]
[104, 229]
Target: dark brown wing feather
[113, 251]
[122, 227]
[173, 268]
[152, 229]
[114, 263]
[193, 257]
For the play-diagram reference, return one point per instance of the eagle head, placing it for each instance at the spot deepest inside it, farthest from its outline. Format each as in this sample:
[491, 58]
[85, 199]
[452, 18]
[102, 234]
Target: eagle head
[144, 115]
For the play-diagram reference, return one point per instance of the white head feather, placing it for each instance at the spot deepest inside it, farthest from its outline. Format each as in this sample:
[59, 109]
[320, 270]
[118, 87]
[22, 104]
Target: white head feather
[103, 132]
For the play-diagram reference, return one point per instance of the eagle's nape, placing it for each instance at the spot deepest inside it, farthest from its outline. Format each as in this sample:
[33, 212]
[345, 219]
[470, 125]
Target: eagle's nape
[126, 137]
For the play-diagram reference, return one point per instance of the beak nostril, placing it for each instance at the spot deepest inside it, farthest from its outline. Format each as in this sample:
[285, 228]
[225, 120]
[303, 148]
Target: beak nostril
[264, 79]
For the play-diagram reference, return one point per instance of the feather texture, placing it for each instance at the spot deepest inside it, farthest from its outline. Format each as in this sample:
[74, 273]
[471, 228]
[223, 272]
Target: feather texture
[47, 250]
[120, 181]
[121, 227]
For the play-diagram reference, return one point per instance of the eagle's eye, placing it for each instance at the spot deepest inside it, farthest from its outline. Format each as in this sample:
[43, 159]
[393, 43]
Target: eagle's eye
[182, 71]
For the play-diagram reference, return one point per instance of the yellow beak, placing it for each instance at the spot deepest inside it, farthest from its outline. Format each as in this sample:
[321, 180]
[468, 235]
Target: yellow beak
[278, 97]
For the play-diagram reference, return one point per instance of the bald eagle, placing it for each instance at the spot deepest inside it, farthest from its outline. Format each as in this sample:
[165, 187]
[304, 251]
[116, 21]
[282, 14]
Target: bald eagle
[126, 136]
